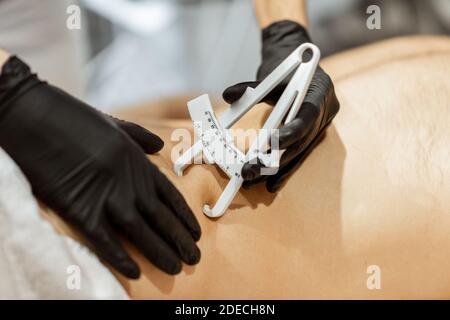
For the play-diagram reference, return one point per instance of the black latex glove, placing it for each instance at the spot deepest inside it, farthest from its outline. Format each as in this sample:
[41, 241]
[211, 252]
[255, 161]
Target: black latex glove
[318, 109]
[91, 169]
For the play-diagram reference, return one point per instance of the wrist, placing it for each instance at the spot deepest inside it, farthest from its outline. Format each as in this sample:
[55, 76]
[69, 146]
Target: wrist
[285, 31]
[3, 58]
[268, 11]
[278, 41]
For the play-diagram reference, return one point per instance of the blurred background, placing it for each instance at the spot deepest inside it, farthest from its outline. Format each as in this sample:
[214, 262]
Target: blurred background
[128, 52]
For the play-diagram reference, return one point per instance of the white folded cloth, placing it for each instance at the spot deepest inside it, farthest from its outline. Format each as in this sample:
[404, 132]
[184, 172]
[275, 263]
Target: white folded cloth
[35, 261]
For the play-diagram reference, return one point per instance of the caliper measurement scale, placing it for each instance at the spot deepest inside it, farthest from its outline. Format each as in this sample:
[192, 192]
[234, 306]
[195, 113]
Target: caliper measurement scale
[217, 143]
[214, 138]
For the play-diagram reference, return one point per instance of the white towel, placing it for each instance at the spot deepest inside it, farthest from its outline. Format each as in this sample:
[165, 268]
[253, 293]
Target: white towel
[35, 261]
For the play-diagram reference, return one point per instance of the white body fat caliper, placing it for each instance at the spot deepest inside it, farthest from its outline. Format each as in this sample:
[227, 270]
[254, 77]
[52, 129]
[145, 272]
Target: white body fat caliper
[214, 139]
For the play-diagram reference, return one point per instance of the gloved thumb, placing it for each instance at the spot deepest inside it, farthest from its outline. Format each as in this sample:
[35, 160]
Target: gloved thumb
[233, 93]
[148, 141]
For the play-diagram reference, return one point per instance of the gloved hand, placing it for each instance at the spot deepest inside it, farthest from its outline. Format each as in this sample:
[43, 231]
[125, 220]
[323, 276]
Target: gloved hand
[91, 169]
[318, 109]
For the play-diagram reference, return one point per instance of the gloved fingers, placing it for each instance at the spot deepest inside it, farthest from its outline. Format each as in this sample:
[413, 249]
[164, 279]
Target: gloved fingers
[291, 137]
[274, 182]
[147, 241]
[148, 141]
[275, 94]
[247, 184]
[109, 248]
[252, 172]
[235, 92]
[292, 152]
[170, 195]
[164, 221]
[296, 130]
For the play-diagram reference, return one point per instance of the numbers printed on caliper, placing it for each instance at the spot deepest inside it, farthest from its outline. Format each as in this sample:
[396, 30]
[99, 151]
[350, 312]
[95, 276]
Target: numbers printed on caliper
[215, 141]
[218, 145]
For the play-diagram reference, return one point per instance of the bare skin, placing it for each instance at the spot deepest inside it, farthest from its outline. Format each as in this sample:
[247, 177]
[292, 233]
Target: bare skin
[269, 11]
[374, 192]
[3, 57]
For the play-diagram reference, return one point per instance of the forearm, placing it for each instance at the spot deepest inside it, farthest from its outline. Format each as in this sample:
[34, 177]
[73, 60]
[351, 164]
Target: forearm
[3, 57]
[270, 11]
